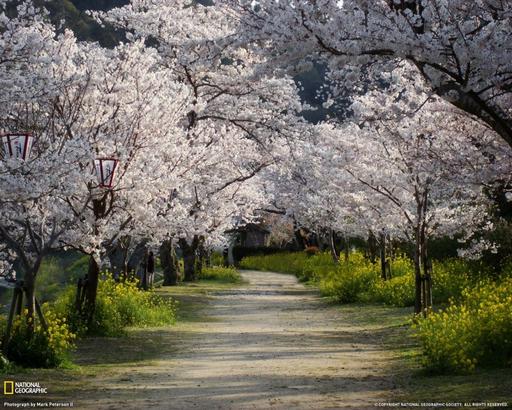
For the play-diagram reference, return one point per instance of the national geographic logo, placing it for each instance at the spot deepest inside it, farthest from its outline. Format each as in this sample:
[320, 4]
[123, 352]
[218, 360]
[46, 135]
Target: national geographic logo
[11, 388]
[8, 387]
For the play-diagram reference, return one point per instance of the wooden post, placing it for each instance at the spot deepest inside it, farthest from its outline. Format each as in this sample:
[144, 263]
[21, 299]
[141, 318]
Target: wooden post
[78, 296]
[347, 248]
[424, 300]
[332, 244]
[429, 283]
[82, 295]
[41, 317]
[383, 255]
[388, 269]
[14, 303]
[19, 305]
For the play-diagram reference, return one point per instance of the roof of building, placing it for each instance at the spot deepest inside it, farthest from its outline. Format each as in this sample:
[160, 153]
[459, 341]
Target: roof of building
[249, 227]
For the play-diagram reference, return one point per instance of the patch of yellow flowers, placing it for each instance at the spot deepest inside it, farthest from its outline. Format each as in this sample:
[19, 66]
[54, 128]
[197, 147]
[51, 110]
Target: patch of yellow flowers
[60, 338]
[122, 304]
[477, 331]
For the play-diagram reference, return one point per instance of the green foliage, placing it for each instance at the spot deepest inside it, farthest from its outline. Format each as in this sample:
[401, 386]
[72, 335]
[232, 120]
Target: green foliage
[77, 268]
[477, 331]
[344, 281]
[84, 26]
[5, 364]
[397, 291]
[55, 273]
[401, 265]
[49, 279]
[222, 274]
[40, 349]
[316, 266]
[450, 278]
[217, 259]
[241, 252]
[349, 281]
[359, 280]
[119, 305]
[285, 262]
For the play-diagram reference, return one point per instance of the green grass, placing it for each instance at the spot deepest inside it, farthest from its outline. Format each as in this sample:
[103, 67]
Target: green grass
[285, 262]
[413, 382]
[220, 274]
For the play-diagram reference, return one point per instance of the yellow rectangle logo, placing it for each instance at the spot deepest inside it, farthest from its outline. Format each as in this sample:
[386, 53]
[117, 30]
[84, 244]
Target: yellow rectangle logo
[8, 387]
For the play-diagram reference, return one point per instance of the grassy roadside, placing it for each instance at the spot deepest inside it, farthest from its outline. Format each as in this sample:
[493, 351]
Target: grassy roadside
[348, 283]
[97, 358]
[117, 359]
[414, 384]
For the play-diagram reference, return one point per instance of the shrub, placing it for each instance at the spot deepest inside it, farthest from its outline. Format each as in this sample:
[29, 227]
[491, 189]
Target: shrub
[450, 278]
[284, 262]
[41, 349]
[119, 305]
[5, 364]
[219, 273]
[348, 281]
[316, 266]
[397, 291]
[217, 259]
[401, 265]
[50, 278]
[359, 280]
[241, 252]
[478, 331]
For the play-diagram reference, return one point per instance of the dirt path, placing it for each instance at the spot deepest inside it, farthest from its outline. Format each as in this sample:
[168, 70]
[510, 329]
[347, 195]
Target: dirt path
[271, 343]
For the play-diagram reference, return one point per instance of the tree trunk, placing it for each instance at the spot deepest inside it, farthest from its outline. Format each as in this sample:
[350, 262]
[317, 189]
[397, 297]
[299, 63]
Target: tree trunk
[372, 247]
[189, 258]
[200, 256]
[426, 268]
[143, 270]
[91, 290]
[118, 257]
[168, 261]
[29, 285]
[417, 276]
[332, 244]
[382, 243]
[299, 238]
[346, 248]
[137, 257]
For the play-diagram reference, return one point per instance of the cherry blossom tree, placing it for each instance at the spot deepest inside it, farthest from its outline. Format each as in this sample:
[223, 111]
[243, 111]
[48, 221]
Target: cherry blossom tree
[232, 106]
[128, 110]
[461, 49]
[430, 169]
[33, 210]
[409, 173]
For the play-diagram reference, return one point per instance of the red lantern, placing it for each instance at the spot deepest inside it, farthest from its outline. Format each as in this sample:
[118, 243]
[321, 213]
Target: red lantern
[17, 145]
[105, 169]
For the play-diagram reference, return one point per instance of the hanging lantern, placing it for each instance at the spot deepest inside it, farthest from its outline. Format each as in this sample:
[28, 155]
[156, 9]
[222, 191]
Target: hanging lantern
[105, 169]
[17, 145]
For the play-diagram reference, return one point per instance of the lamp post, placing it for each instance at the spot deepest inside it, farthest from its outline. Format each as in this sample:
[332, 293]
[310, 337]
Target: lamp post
[17, 145]
[88, 286]
[105, 170]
